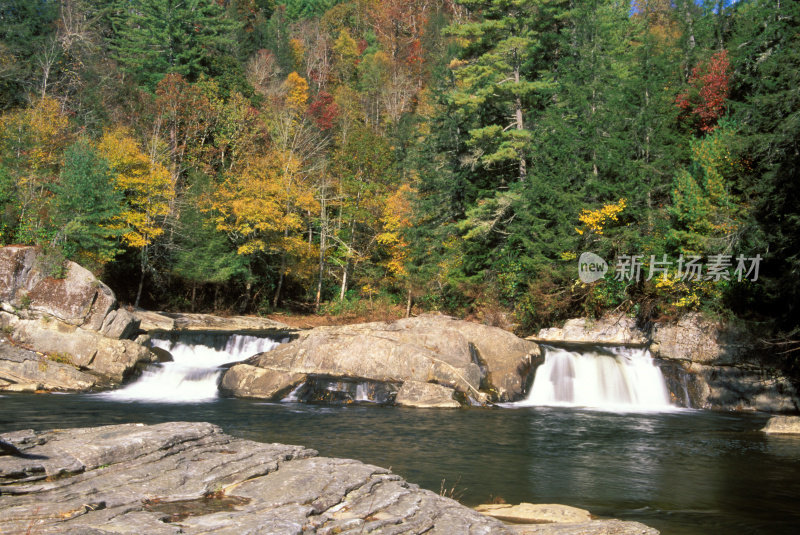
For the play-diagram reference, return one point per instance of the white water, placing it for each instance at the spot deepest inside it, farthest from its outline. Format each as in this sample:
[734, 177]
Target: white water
[194, 372]
[628, 379]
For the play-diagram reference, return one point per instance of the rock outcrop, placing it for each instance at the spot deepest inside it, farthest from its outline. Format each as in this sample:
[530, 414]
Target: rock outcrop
[783, 425]
[190, 478]
[461, 359]
[717, 365]
[76, 335]
[171, 321]
[611, 329]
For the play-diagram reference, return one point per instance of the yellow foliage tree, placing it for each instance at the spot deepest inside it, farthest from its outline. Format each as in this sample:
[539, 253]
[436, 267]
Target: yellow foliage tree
[147, 186]
[148, 191]
[296, 92]
[263, 208]
[32, 142]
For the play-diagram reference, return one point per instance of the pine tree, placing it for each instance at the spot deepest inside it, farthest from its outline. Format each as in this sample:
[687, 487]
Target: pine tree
[86, 207]
[156, 37]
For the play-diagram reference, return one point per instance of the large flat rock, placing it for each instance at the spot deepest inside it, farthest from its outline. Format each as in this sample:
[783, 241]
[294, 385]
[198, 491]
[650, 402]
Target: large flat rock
[26, 371]
[174, 321]
[191, 478]
[477, 361]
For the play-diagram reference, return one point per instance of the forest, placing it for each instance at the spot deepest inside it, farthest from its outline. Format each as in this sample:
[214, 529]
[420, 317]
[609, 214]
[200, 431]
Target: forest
[379, 157]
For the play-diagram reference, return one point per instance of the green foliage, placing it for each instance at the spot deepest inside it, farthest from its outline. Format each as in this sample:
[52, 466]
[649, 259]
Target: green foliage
[86, 207]
[156, 37]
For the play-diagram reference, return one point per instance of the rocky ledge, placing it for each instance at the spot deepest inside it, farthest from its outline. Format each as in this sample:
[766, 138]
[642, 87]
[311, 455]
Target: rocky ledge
[66, 334]
[171, 321]
[716, 364]
[426, 361]
[191, 478]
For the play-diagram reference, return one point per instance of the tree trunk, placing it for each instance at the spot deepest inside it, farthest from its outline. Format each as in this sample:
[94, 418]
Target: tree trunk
[523, 167]
[408, 304]
[142, 266]
[344, 282]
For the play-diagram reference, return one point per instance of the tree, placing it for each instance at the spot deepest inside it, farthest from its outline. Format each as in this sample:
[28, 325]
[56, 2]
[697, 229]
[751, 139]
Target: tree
[156, 37]
[147, 190]
[498, 73]
[86, 207]
[765, 102]
[262, 209]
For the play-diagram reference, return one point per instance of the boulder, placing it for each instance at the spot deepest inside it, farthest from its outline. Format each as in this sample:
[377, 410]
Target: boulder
[426, 396]
[169, 321]
[696, 339]
[191, 478]
[153, 321]
[458, 355]
[109, 359]
[783, 425]
[120, 324]
[26, 371]
[507, 359]
[529, 513]
[77, 299]
[244, 380]
[376, 352]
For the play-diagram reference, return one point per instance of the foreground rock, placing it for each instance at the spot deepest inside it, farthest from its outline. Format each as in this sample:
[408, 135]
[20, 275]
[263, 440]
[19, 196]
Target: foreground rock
[783, 425]
[554, 519]
[63, 334]
[461, 360]
[191, 478]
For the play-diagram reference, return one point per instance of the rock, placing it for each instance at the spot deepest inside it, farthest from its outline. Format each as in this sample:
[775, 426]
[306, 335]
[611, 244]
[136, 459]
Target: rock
[190, 478]
[247, 381]
[595, 527]
[162, 355]
[77, 299]
[529, 513]
[109, 359]
[426, 395]
[610, 329]
[376, 352]
[455, 354]
[783, 425]
[120, 324]
[25, 371]
[508, 359]
[696, 339]
[742, 388]
[153, 321]
[206, 322]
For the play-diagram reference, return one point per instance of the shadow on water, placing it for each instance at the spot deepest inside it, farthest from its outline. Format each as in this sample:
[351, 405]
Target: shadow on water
[686, 472]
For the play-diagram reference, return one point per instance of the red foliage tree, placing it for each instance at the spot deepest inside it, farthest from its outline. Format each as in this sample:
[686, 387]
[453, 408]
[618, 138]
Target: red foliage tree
[705, 100]
[323, 110]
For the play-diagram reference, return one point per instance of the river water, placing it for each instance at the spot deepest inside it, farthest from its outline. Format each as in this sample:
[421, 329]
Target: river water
[681, 471]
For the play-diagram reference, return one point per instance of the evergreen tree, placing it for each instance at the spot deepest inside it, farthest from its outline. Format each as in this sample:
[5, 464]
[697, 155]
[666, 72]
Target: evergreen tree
[156, 37]
[86, 207]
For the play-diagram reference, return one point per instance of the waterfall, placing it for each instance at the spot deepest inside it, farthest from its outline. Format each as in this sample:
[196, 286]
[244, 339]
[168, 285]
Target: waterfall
[193, 374]
[611, 378]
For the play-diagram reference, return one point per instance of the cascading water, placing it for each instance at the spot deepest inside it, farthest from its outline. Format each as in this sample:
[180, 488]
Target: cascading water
[611, 378]
[193, 374]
